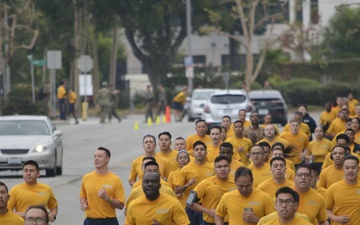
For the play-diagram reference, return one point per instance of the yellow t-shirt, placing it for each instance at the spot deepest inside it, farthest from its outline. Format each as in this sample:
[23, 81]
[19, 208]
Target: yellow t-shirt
[170, 183]
[337, 126]
[320, 149]
[353, 102]
[23, 195]
[296, 221]
[344, 199]
[329, 176]
[165, 209]
[230, 132]
[190, 140]
[138, 191]
[260, 174]
[233, 204]
[193, 170]
[313, 205]
[320, 190]
[180, 97]
[300, 141]
[327, 162]
[335, 110]
[210, 192]
[276, 139]
[290, 164]
[61, 92]
[136, 168]
[357, 138]
[171, 157]
[234, 165]
[236, 143]
[246, 124]
[212, 152]
[326, 117]
[11, 218]
[72, 98]
[303, 128]
[97, 207]
[270, 186]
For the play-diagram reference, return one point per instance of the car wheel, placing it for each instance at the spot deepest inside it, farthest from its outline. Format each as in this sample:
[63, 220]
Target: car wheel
[51, 172]
[190, 119]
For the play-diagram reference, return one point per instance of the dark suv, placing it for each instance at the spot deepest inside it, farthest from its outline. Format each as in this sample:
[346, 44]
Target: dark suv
[269, 102]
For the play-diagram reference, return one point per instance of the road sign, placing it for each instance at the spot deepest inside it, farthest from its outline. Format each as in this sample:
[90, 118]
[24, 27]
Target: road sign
[39, 62]
[53, 59]
[85, 63]
[189, 72]
[188, 61]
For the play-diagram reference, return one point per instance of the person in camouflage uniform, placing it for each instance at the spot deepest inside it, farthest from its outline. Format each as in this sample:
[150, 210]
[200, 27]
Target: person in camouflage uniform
[148, 98]
[161, 100]
[104, 101]
[114, 103]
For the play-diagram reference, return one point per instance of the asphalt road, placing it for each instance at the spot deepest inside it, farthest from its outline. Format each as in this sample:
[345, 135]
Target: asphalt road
[81, 141]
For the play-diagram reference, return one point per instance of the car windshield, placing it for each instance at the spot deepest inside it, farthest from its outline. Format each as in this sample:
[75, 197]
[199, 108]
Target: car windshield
[23, 127]
[228, 99]
[201, 95]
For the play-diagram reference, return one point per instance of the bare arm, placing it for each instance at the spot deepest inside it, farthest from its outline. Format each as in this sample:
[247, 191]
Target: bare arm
[131, 182]
[181, 189]
[113, 202]
[219, 220]
[338, 219]
[199, 208]
[83, 203]
[52, 214]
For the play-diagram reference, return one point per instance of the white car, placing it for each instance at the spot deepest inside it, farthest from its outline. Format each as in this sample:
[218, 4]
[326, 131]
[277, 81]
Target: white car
[198, 99]
[226, 102]
[24, 138]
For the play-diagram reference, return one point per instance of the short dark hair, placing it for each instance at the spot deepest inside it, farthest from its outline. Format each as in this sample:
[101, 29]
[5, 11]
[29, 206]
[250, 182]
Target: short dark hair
[298, 113]
[222, 157]
[226, 145]
[278, 144]
[243, 171]
[180, 138]
[33, 163]
[226, 116]
[238, 121]
[215, 127]
[149, 157]
[287, 190]
[6, 188]
[223, 128]
[242, 110]
[42, 208]
[315, 169]
[277, 158]
[343, 136]
[349, 157]
[107, 151]
[264, 144]
[165, 133]
[349, 129]
[257, 145]
[303, 166]
[151, 136]
[151, 163]
[348, 120]
[199, 121]
[199, 143]
[304, 105]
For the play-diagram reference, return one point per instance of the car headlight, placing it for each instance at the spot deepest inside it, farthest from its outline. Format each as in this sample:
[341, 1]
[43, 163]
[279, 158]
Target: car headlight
[40, 148]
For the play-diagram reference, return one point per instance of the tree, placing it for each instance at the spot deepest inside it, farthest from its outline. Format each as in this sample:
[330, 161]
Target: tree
[156, 29]
[18, 30]
[342, 35]
[252, 16]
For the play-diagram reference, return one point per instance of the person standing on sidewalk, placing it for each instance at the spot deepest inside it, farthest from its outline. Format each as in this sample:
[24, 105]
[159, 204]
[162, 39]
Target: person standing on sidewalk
[161, 100]
[114, 103]
[72, 99]
[148, 98]
[61, 95]
[104, 101]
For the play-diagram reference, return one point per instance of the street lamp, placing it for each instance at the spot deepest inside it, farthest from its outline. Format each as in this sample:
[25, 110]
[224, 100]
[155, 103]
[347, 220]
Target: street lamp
[30, 58]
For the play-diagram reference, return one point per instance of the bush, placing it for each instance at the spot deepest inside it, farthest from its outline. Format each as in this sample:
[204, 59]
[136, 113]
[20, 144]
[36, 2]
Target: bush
[20, 102]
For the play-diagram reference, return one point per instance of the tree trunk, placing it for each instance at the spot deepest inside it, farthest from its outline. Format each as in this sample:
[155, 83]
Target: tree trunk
[95, 75]
[113, 58]
[75, 71]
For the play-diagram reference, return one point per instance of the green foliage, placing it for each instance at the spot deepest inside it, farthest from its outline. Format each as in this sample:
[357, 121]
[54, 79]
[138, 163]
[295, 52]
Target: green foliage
[20, 102]
[342, 36]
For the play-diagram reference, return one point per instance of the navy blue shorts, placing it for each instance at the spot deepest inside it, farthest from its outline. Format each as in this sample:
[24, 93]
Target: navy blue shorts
[177, 105]
[105, 221]
[71, 108]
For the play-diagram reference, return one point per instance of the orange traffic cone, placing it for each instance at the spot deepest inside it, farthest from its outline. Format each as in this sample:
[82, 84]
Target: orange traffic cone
[167, 114]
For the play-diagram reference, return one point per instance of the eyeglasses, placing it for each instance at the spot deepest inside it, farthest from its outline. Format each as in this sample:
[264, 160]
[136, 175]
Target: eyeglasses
[256, 153]
[306, 175]
[288, 202]
[38, 220]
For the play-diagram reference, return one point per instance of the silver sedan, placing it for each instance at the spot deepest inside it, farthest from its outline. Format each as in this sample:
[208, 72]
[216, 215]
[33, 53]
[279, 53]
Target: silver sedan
[24, 138]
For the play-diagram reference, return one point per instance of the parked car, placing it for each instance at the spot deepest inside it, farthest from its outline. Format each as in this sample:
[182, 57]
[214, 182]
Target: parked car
[226, 102]
[198, 100]
[270, 102]
[24, 138]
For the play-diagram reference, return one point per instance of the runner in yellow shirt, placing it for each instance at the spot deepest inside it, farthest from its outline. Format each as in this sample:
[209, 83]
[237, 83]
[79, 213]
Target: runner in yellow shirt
[201, 129]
